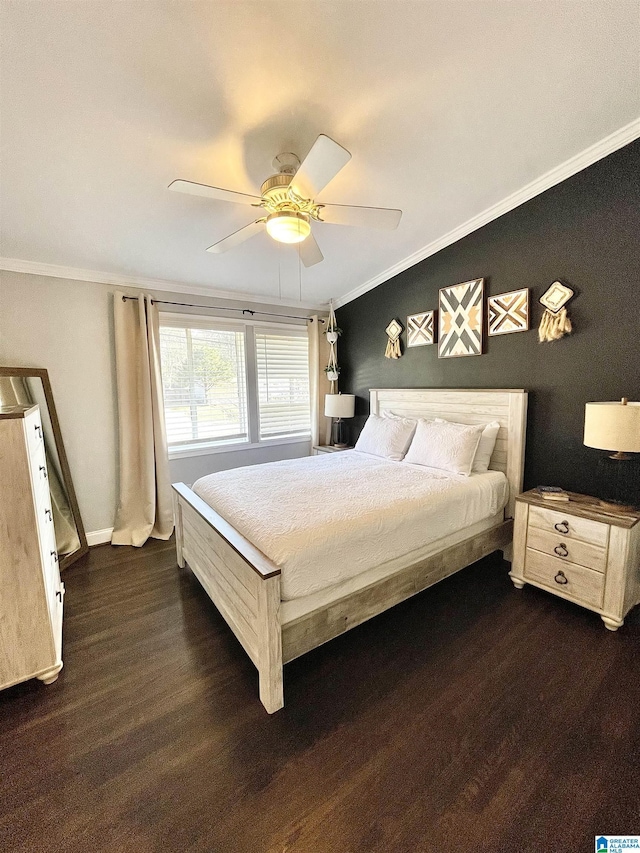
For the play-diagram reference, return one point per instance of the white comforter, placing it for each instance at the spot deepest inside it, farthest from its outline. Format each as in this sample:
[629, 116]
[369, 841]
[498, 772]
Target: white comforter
[324, 519]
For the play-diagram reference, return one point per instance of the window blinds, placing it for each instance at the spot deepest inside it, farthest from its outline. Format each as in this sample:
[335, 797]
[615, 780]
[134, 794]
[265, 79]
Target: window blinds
[282, 362]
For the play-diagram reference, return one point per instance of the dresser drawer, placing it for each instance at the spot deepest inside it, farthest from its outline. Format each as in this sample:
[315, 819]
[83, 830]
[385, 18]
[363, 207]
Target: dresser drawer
[57, 621]
[42, 497]
[33, 429]
[569, 526]
[567, 549]
[585, 586]
[49, 558]
[38, 466]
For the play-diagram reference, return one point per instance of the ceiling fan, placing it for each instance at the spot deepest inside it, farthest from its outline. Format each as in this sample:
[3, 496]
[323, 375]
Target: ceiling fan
[287, 199]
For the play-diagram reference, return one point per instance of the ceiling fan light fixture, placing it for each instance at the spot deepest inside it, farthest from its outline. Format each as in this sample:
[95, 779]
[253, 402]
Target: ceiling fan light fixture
[288, 226]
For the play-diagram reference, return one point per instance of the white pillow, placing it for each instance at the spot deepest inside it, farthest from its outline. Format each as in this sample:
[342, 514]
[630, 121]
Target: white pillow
[387, 437]
[444, 445]
[393, 417]
[485, 448]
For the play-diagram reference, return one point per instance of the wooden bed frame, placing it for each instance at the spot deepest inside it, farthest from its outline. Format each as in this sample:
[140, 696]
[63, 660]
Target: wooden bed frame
[245, 585]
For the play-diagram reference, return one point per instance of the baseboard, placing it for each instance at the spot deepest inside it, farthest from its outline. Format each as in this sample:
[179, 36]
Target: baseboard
[99, 537]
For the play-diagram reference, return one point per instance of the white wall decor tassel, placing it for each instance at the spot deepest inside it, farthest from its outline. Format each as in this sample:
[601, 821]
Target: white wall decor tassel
[555, 322]
[393, 330]
[554, 326]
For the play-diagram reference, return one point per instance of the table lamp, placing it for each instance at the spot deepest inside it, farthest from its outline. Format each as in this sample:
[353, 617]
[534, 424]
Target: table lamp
[339, 406]
[616, 427]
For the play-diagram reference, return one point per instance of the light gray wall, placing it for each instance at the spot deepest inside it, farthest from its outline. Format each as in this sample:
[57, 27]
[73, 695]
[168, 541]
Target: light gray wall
[67, 327]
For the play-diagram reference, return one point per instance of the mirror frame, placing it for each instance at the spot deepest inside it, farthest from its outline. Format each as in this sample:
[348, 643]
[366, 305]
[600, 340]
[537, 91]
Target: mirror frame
[42, 374]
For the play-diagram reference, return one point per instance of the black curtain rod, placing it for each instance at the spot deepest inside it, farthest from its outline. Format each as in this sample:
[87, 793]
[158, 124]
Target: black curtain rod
[226, 308]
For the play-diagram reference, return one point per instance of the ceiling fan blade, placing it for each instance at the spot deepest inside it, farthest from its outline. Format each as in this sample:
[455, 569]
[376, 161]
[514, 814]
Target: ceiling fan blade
[213, 192]
[310, 253]
[320, 166]
[237, 237]
[364, 217]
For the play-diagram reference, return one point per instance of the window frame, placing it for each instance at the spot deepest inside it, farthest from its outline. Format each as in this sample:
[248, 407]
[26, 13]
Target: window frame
[248, 327]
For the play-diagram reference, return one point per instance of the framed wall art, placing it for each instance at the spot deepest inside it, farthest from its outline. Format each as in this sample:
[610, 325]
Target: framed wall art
[420, 329]
[393, 330]
[508, 312]
[460, 319]
[555, 322]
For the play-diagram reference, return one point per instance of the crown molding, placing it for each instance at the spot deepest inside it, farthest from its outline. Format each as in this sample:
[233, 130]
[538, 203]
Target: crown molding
[158, 284]
[617, 139]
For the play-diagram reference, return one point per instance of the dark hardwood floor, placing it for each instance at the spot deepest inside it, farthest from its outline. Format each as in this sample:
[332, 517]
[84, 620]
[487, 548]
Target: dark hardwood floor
[472, 717]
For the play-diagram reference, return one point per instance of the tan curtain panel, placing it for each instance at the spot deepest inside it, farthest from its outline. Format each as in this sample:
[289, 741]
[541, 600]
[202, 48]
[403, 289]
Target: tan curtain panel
[319, 385]
[145, 504]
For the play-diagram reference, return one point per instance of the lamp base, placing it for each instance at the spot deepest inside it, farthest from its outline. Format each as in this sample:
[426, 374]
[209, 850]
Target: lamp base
[339, 434]
[618, 483]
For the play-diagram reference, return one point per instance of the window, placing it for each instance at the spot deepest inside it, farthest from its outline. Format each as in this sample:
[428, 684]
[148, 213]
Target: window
[282, 361]
[229, 384]
[204, 381]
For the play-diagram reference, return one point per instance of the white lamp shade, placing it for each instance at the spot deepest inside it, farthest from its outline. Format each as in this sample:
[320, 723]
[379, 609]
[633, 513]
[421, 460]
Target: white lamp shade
[339, 405]
[612, 426]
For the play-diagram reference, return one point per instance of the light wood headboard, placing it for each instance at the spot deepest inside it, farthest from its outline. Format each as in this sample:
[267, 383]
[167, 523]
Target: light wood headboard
[473, 406]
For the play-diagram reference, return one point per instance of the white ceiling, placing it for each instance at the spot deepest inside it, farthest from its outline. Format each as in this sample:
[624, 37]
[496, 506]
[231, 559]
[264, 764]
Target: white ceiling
[447, 107]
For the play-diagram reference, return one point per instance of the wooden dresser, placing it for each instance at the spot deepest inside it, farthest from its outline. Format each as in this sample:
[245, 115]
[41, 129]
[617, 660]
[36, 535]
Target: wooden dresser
[579, 551]
[31, 593]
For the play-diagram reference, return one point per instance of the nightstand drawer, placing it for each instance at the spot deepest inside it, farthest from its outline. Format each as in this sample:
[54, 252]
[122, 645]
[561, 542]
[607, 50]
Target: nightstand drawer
[567, 579]
[567, 549]
[570, 526]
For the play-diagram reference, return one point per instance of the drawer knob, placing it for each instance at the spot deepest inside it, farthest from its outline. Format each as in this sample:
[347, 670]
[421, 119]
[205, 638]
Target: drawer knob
[47, 512]
[561, 550]
[38, 429]
[44, 471]
[561, 578]
[59, 595]
[562, 526]
[54, 554]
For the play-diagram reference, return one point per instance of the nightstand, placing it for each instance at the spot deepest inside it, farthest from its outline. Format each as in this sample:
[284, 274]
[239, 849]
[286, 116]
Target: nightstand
[578, 551]
[328, 448]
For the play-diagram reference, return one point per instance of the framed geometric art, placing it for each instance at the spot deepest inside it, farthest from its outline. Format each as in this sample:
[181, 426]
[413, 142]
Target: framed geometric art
[556, 296]
[508, 312]
[461, 319]
[420, 329]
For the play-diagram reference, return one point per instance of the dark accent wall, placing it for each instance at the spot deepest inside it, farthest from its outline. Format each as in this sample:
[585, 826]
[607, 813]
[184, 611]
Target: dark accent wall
[585, 232]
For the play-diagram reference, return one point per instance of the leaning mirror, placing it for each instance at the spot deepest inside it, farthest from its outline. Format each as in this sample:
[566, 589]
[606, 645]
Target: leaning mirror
[22, 386]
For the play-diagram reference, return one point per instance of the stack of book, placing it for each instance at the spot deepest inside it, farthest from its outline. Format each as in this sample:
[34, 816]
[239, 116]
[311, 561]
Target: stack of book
[552, 493]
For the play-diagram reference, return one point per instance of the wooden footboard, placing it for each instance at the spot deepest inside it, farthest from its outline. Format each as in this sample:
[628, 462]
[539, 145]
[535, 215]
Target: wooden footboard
[245, 587]
[242, 583]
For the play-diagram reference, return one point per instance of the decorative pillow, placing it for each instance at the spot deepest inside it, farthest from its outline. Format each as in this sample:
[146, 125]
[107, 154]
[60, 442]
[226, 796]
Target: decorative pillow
[444, 445]
[387, 437]
[393, 417]
[485, 448]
